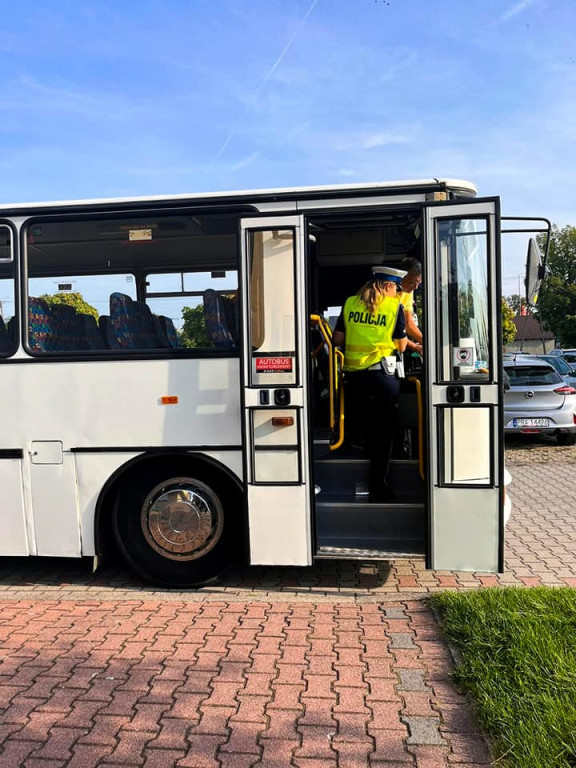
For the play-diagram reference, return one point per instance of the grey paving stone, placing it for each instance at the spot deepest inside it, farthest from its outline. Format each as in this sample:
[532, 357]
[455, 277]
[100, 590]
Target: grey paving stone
[402, 640]
[394, 613]
[424, 730]
[411, 680]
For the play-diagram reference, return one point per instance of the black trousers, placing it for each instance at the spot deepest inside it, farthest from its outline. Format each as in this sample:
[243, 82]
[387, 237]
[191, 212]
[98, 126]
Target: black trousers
[372, 411]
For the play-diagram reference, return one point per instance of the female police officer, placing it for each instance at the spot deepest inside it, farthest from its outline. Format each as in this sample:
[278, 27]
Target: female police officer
[371, 328]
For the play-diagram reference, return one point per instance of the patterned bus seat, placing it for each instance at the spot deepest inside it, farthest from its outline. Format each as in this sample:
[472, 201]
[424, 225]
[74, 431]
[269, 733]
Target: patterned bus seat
[125, 326]
[216, 322]
[68, 331]
[170, 331]
[5, 340]
[11, 327]
[160, 332]
[92, 334]
[40, 326]
[232, 312]
[150, 335]
[106, 331]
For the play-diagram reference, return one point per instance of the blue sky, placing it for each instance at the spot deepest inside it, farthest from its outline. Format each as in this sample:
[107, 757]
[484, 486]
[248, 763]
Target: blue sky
[102, 99]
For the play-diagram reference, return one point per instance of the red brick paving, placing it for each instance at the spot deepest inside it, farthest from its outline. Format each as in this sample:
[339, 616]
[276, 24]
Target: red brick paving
[269, 685]
[335, 666]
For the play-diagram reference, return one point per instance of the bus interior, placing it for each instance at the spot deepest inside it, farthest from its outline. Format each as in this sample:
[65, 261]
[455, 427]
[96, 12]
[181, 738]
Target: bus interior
[342, 251]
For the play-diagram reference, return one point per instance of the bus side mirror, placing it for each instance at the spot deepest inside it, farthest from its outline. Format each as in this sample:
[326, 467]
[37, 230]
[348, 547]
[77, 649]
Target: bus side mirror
[535, 272]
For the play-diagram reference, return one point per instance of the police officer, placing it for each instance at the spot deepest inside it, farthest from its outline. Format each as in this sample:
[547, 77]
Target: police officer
[372, 329]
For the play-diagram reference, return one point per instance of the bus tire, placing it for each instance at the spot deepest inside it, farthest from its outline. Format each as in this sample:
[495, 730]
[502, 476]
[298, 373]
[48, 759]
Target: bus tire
[174, 528]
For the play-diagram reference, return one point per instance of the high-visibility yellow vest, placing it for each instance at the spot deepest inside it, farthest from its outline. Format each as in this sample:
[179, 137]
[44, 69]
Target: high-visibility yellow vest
[368, 336]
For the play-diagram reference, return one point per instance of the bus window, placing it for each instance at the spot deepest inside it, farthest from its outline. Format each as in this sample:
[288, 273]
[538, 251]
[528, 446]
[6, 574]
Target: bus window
[272, 315]
[132, 284]
[202, 307]
[464, 315]
[7, 321]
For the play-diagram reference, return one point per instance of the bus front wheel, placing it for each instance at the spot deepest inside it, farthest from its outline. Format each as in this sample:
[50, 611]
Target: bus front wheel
[173, 528]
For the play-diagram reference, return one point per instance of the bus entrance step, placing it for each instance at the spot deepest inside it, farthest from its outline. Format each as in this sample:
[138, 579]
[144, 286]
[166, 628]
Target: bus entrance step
[391, 527]
[336, 476]
[350, 553]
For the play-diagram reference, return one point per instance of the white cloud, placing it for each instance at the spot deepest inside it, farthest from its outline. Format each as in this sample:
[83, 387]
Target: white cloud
[66, 97]
[384, 139]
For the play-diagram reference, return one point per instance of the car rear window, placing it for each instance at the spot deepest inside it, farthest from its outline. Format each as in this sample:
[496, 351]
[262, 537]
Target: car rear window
[532, 375]
[561, 366]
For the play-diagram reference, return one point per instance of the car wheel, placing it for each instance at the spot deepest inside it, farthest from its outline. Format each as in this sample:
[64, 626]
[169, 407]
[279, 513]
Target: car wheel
[172, 526]
[566, 438]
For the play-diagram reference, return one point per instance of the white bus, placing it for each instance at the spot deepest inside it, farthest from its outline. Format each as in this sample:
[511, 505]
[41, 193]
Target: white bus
[191, 412]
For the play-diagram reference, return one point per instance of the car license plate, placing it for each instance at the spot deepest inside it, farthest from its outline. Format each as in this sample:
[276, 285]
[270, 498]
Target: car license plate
[531, 422]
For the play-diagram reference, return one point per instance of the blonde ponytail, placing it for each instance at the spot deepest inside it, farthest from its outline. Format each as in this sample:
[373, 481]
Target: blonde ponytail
[371, 293]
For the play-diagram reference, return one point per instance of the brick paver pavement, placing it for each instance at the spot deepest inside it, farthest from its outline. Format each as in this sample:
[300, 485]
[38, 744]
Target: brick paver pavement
[340, 665]
[210, 684]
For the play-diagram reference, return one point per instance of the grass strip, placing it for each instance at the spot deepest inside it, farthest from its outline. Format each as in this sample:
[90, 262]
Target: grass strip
[518, 661]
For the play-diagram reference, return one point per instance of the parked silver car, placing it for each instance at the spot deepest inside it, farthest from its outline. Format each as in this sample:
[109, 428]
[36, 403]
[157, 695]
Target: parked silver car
[538, 400]
[559, 363]
[569, 355]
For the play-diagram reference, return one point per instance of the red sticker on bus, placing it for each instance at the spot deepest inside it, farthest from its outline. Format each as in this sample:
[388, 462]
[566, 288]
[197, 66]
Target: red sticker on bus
[273, 365]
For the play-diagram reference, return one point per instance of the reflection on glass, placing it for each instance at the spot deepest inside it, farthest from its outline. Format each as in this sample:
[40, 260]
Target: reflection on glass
[7, 302]
[272, 328]
[464, 299]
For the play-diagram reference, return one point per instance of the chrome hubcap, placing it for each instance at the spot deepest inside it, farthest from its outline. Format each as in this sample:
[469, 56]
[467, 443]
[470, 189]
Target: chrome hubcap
[182, 519]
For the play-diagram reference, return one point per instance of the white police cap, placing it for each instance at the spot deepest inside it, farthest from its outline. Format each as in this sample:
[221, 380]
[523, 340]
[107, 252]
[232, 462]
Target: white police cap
[389, 273]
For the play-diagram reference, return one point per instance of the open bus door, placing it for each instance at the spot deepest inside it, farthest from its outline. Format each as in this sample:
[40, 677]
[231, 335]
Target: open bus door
[463, 353]
[274, 390]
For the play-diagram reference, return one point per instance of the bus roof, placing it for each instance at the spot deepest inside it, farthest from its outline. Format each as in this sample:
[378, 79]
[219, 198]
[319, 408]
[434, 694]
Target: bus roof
[466, 188]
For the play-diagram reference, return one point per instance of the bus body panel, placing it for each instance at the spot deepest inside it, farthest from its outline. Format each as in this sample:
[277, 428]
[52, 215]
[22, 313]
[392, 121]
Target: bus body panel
[55, 508]
[279, 525]
[96, 405]
[14, 539]
[93, 470]
[117, 403]
[465, 536]
[333, 191]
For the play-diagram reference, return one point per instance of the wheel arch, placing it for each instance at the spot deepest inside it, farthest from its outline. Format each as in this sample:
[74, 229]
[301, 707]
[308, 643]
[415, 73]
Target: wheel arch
[198, 462]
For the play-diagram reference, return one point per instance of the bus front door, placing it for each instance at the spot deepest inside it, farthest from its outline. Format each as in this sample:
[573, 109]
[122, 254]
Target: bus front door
[463, 349]
[274, 385]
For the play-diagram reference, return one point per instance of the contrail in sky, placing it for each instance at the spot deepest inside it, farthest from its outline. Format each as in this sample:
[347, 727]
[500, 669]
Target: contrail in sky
[273, 68]
[514, 10]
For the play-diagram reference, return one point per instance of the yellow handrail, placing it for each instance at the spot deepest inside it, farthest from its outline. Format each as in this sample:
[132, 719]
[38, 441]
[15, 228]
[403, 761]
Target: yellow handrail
[320, 322]
[338, 443]
[420, 425]
[334, 380]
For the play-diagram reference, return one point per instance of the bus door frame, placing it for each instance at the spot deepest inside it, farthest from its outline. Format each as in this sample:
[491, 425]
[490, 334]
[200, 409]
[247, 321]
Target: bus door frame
[279, 511]
[466, 503]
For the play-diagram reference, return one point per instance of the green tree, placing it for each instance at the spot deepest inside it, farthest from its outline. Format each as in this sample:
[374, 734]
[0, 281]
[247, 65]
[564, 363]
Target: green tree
[508, 327]
[72, 299]
[557, 299]
[193, 333]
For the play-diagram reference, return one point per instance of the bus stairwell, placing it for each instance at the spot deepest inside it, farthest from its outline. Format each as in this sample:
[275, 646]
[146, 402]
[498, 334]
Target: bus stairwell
[348, 523]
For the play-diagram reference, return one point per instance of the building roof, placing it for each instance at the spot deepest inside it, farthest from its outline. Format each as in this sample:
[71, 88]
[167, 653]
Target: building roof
[529, 329]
